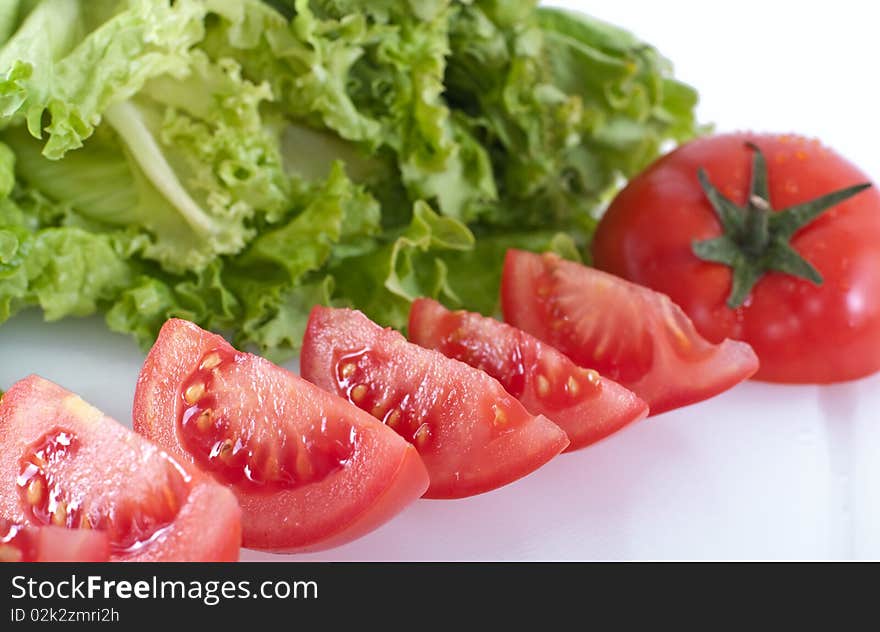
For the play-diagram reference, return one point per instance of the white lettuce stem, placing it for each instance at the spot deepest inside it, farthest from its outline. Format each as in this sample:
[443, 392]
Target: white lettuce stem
[128, 122]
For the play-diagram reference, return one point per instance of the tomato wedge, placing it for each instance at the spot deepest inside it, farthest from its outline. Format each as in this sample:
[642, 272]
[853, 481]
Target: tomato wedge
[66, 464]
[587, 406]
[472, 434]
[20, 543]
[631, 334]
[309, 469]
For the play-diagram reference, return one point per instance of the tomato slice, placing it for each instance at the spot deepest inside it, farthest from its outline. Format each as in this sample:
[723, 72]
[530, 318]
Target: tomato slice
[472, 434]
[309, 469]
[631, 334]
[66, 464]
[587, 406]
[20, 543]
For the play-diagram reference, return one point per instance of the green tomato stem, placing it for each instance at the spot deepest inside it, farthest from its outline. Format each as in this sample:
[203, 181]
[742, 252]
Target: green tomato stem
[756, 238]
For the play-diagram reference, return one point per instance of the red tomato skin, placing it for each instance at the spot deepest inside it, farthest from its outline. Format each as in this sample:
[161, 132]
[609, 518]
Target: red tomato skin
[469, 459]
[207, 526]
[386, 476]
[802, 333]
[603, 408]
[657, 353]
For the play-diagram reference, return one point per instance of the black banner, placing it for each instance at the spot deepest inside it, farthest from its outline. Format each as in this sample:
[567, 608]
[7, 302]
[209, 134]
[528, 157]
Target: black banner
[268, 595]
[223, 594]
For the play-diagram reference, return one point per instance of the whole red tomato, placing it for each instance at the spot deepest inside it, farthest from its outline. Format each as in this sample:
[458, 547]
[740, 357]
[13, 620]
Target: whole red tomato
[772, 259]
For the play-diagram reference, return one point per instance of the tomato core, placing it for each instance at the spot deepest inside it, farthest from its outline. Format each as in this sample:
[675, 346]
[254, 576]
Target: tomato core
[41, 486]
[395, 410]
[233, 452]
[555, 391]
[398, 409]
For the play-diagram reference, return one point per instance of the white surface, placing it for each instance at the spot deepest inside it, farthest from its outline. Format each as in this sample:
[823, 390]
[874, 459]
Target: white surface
[760, 472]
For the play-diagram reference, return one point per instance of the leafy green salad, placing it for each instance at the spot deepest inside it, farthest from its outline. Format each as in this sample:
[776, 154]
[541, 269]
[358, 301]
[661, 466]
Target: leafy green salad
[234, 162]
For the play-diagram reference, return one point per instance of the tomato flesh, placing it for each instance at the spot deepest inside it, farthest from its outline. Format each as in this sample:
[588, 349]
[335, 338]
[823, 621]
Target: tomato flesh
[51, 544]
[587, 406]
[631, 334]
[802, 333]
[472, 435]
[309, 470]
[226, 439]
[67, 465]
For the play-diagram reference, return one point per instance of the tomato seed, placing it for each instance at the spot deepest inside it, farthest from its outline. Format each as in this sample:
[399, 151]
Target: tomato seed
[194, 393]
[271, 468]
[593, 377]
[226, 451]
[59, 516]
[347, 370]
[211, 361]
[500, 417]
[392, 419]
[543, 386]
[170, 499]
[358, 393]
[303, 465]
[421, 436]
[205, 420]
[35, 490]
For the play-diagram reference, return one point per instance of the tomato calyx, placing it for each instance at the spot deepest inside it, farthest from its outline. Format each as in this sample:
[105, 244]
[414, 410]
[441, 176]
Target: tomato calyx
[756, 239]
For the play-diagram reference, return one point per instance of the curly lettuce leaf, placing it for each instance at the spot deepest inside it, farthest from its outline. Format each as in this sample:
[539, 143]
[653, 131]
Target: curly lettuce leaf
[371, 73]
[71, 272]
[65, 271]
[305, 61]
[625, 84]
[281, 269]
[143, 307]
[58, 71]
[276, 320]
[565, 113]
[262, 297]
[400, 82]
[7, 170]
[384, 282]
[28, 59]
[185, 175]
[15, 241]
[499, 79]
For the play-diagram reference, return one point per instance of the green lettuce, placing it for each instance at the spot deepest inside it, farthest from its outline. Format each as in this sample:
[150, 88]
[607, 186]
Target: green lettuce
[66, 271]
[190, 174]
[284, 271]
[384, 282]
[234, 162]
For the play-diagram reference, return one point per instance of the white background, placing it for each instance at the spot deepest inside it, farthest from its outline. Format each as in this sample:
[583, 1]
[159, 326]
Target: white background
[762, 471]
